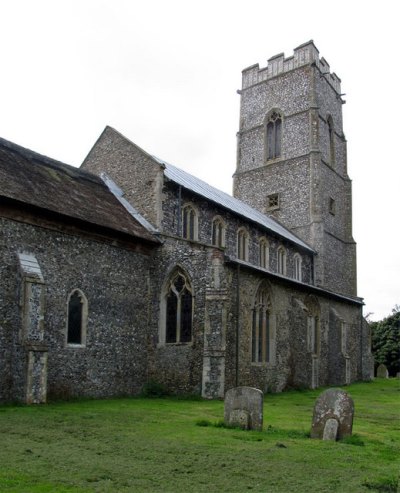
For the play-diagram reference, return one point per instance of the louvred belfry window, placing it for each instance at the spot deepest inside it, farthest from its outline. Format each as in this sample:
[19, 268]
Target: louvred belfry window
[274, 135]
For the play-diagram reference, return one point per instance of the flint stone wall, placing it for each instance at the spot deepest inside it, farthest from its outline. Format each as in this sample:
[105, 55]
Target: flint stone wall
[114, 281]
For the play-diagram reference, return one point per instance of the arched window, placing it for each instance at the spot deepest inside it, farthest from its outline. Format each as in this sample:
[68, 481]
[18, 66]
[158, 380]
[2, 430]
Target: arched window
[264, 253]
[178, 306]
[189, 222]
[218, 232]
[297, 267]
[331, 141]
[313, 326]
[242, 244]
[273, 131]
[76, 318]
[281, 260]
[261, 328]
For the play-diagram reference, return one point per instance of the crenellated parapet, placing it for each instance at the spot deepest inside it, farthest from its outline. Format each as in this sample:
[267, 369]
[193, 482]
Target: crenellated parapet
[305, 54]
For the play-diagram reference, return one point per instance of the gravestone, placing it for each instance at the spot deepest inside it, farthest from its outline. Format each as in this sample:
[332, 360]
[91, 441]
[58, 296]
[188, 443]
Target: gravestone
[382, 371]
[244, 408]
[333, 405]
[330, 429]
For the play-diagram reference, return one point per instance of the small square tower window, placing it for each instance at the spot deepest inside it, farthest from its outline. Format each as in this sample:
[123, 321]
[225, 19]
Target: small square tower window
[273, 201]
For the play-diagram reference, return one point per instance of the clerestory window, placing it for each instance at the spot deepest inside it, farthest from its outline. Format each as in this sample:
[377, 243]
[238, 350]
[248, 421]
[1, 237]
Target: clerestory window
[242, 244]
[189, 222]
[273, 135]
[281, 260]
[264, 253]
[297, 267]
[218, 232]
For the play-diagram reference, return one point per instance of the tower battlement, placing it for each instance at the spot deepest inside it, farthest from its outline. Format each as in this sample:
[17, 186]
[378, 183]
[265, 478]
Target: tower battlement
[304, 54]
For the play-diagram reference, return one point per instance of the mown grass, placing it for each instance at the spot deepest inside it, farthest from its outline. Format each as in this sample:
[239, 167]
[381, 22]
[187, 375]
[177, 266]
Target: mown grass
[171, 445]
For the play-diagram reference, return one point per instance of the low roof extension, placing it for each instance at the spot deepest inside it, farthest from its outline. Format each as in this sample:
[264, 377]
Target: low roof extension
[45, 184]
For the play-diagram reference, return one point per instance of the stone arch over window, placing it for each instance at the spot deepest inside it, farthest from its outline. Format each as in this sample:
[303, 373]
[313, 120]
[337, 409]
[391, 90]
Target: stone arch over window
[218, 229]
[281, 254]
[313, 325]
[331, 141]
[176, 315]
[263, 327]
[273, 134]
[190, 222]
[242, 244]
[297, 266]
[263, 256]
[77, 315]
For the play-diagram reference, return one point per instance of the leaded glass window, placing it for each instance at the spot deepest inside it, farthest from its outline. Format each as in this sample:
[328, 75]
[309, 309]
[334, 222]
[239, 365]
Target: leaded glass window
[179, 310]
[242, 244]
[264, 253]
[189, 223]
[261, 329]
[218, 233]
[77, 317]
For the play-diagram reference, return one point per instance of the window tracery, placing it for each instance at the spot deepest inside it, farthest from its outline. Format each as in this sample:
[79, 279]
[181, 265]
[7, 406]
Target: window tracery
[274, 135]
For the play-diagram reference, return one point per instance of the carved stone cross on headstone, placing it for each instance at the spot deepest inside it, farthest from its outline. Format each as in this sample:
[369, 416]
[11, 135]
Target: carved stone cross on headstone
[244, 408]
[333, 415]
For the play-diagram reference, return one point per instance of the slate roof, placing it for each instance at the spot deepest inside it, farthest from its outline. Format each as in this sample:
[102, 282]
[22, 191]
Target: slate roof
[228, 202]
[50, 185]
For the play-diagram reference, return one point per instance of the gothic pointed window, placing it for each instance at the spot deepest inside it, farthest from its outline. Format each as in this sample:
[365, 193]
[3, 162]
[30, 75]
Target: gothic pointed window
[263, 253]
[189, 222]
[261, 329]
[313, 326]
[281, 260]
[242, 244]
[178, 310]
[297, 263]
[76, 318]
[273, 135]
[218, 232]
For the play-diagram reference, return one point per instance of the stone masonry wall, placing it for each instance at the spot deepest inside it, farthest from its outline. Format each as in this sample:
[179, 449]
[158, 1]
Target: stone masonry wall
[115, 283]
[291, 366]
[207, 212]
[132, 169]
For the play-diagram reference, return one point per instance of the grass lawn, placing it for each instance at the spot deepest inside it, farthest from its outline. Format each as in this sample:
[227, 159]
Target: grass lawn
[171, 445]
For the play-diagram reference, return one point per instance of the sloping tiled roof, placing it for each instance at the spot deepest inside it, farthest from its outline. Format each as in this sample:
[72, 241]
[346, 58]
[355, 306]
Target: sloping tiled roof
[228, 202]
[39, 181]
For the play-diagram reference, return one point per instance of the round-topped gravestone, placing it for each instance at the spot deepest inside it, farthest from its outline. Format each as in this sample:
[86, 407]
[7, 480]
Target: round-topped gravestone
[382, 371]
[332, 405]
[244, 408]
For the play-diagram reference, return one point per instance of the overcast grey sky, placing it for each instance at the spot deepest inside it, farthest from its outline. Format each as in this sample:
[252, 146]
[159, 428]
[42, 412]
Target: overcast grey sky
[165, 74]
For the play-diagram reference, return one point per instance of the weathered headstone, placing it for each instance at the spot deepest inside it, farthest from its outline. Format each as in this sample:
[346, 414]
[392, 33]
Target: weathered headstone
[382, 371]
[244, 408]
[333, 405]
[330, 429]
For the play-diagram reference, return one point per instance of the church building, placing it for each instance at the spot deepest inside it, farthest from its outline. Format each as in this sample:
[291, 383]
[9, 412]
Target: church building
[130, 270]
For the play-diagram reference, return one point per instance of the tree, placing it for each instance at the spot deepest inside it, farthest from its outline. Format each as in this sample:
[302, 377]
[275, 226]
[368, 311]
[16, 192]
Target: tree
[386, 341]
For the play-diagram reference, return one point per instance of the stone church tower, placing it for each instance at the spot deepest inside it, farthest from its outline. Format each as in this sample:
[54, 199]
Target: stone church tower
[291, 160]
